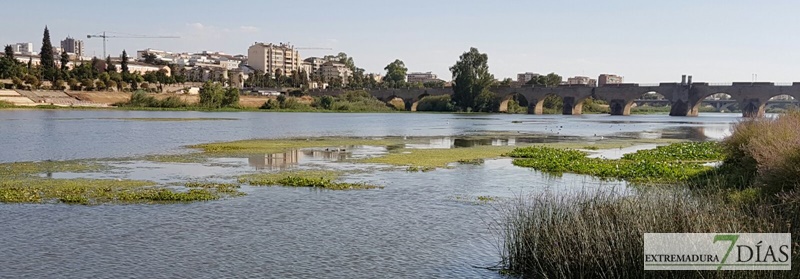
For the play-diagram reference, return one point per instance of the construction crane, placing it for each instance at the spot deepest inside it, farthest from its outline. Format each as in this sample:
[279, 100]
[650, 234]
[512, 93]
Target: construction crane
[126, 36]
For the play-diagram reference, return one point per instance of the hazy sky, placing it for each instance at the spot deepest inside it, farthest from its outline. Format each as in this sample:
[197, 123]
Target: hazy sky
[716, 41]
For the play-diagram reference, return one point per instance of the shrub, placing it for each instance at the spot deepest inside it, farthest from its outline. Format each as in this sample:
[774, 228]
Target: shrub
[325, 102]
[87, 84]
[231, 97]
[435, 103]
[143, 99]
[59, 84]
[767, 151]
[271, 104]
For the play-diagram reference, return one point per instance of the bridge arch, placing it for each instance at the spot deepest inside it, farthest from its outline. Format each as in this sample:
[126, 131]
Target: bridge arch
[415, 102]
[396, 102]
[622, 106]
[551, 99]
[786, 101]
[720, 101]
[518, 99]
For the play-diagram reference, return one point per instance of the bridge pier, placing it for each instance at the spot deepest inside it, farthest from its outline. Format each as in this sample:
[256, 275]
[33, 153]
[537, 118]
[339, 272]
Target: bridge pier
[753, 108]
[681, 108]
[571, 107]
[619, 107]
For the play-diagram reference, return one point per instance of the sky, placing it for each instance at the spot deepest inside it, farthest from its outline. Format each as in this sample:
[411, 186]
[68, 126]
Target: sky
[644, 41]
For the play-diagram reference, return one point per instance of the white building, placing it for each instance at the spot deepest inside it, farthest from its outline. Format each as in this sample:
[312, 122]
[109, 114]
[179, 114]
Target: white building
[23, 48]
[421, 77]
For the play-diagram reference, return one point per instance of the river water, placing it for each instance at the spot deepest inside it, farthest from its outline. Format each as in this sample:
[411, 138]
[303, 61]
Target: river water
[420, 225]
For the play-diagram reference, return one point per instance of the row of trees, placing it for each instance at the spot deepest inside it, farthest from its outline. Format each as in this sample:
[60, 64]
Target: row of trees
[94, 74]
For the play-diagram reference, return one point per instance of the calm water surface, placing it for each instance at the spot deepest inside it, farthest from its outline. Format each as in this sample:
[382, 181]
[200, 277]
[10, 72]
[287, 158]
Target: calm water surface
[421, 225]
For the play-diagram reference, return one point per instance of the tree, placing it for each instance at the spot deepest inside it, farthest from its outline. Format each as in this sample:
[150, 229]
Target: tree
[506, 82]
[9, 66]
[124, 64]
[47, 62]
[150, 58]
[231, 98]
[396, 73]
[9, 52]
[434, 84]
[64, 61]
[471, 77]
[110, 68]
[211, 95]
[551, 79]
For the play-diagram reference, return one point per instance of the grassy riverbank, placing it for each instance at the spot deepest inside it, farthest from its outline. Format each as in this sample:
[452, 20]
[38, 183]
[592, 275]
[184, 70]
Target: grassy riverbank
[600, 235]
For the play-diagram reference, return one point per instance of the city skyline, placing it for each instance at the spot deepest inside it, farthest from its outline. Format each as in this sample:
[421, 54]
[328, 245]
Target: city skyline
[644, 42]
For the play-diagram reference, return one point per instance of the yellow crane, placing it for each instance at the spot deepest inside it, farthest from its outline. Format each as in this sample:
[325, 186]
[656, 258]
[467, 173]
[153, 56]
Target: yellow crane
[125, 36]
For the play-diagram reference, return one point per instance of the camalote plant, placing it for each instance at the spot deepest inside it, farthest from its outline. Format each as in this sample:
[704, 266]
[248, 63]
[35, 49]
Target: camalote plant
[304, 178]
[675, 162]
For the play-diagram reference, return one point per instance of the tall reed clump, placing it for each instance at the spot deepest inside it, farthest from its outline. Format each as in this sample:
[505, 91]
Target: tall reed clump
[600, 235]
[766, 152]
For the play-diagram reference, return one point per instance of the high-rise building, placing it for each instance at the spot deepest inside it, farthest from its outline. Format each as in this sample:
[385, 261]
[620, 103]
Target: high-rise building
[609, 79]
[272, 58]
[71, 45]
[523, 78]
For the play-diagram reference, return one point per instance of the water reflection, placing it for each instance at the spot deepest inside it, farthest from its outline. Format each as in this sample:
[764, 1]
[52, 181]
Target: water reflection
[295, 157]
[275, 161]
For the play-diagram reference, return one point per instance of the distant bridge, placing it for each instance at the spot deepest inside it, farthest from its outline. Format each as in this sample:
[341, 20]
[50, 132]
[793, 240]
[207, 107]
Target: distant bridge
[719, 105]
[684, 98]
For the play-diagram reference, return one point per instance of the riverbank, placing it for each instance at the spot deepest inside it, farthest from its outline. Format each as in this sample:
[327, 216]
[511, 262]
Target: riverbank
[600, 234]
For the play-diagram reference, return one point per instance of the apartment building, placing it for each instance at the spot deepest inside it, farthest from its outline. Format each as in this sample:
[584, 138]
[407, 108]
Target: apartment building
[71, 45]
[331, 70]
[272, 58]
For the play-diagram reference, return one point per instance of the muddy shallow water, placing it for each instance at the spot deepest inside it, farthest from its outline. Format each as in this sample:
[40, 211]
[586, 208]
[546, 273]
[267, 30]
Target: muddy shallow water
[421, 224]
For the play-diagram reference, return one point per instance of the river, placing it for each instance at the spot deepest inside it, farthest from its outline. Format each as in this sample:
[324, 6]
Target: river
[421, 225]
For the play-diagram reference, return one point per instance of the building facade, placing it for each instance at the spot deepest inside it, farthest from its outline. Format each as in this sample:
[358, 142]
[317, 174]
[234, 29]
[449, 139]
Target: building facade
[71, 45]
[523, 78]
[581, 80]
[421, 77]
[609, 79]
[274, 59]
[23, 48]
[331, 70]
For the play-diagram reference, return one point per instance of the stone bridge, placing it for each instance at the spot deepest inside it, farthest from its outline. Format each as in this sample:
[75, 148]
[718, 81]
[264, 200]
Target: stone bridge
[684, 98]
[719, 105]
